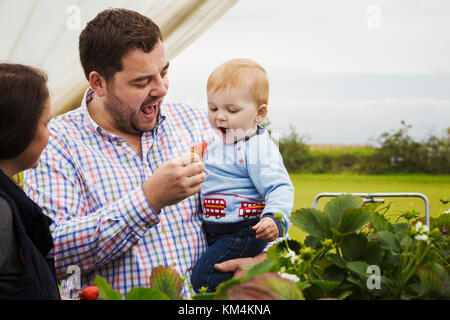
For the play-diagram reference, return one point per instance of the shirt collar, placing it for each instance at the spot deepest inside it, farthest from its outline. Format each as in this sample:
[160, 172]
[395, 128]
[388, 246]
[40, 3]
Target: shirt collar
[89, 96]
[88, 121]
[259, 130]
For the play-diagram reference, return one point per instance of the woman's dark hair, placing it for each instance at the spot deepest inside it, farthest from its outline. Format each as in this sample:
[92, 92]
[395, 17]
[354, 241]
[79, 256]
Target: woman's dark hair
[23, 93]
[111, 35]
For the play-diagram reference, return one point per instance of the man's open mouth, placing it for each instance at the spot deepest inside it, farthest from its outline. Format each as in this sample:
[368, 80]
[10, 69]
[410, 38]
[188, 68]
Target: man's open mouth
[150, 111]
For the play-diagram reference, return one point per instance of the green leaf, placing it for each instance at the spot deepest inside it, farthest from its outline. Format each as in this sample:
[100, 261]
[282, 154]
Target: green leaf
[435, 270]
[105, 290]
[336, 207]
[338, 236]
[335, 273]
[359, 267]
[206, 296]
[266, 286]
[390, 261]
[416, 289]
[141, 293]
[400, 229]
[389, 284]
[388, 241]
[336, 259]
[222, 289]
[260, 268]
[352, 220]
[373, 253]
[302, 285]
[312, 221]
[327, 286]
[353, 246]
[429, 280]
[278, 248]
[443, 221]
[344, 295]
[439, 271]
[380, 223]
[358, 282]
[168, 281]
[312, 242]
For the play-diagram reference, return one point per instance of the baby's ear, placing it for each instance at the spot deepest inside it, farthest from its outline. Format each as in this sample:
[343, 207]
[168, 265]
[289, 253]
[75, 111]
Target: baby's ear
[262, 112]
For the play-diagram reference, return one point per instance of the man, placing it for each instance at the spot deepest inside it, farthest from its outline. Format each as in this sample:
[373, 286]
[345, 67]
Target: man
[117, 177]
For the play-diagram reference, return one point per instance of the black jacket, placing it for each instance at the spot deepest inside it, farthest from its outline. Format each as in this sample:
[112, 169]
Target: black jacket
[31, 226]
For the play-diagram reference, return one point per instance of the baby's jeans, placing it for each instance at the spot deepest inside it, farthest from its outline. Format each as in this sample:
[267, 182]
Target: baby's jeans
[221, 247]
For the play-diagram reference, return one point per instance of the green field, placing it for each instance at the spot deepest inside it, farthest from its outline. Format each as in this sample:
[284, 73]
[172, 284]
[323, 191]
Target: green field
[307, 186]
[337, 152]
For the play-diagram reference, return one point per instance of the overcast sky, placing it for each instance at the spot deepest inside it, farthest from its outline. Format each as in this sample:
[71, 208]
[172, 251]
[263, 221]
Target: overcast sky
[340, 71]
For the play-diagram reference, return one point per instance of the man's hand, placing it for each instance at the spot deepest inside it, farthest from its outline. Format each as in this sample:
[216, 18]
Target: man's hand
[174, 180]
[235, 265]
[266, 229]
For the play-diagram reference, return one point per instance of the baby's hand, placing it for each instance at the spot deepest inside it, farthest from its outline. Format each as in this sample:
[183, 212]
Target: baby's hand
[266, 229]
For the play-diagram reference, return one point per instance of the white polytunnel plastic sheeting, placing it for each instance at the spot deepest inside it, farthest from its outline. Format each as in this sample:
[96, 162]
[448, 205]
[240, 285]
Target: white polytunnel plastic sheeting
[44, 34]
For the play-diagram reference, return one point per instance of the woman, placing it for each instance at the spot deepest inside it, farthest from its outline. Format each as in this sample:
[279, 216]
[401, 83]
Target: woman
[26, 270]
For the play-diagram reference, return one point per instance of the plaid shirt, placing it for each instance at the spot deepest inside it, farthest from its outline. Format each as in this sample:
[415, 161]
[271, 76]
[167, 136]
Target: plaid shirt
[89, 183]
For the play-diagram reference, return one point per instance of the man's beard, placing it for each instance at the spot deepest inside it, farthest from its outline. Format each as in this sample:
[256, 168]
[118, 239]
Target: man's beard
[122, 115]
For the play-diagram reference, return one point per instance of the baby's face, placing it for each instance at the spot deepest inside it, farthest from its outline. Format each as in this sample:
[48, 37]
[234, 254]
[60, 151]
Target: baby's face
[233, 113]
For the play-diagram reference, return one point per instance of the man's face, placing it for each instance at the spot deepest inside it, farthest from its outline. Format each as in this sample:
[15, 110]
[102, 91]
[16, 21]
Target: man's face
[134, 95]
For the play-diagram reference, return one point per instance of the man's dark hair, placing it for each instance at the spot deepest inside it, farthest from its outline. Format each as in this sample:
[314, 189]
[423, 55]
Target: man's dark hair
[23, 94]
[111, 35]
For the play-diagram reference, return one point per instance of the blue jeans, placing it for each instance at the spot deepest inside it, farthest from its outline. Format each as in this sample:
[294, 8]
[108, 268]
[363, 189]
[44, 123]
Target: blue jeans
[222, 247]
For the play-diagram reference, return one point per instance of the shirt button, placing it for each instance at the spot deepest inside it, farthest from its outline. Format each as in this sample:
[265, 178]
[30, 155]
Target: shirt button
[163, 230]
[173, 264]
[119, 143]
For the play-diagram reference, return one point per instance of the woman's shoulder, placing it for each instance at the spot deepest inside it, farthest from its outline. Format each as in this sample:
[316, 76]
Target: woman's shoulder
[10, 264]
[5, 207]
[6, 223]
[6, 226]
[6, 217]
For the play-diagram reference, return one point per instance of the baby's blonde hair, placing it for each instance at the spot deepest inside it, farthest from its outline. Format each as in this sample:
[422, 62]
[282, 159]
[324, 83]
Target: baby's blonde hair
[241, 73]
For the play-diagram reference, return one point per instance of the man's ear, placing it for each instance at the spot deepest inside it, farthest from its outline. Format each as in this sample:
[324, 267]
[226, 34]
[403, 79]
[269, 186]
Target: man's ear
[97, 83]
[262, 112]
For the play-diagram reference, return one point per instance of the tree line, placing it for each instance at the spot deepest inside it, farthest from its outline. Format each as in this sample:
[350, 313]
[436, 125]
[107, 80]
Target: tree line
[393, 152]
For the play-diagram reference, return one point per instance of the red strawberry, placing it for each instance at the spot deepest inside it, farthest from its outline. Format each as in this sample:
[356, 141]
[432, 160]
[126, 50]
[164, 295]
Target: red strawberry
[89, 293]
[200, 149]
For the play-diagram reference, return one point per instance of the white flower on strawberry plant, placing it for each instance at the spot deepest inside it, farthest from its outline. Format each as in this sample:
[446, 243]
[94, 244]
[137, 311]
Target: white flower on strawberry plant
[421, 237]
[420, 228]
[291, 255]
[291, 277]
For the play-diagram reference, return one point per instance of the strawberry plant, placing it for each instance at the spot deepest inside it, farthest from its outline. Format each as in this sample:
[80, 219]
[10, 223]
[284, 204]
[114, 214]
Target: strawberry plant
[348, 241]
[352, 251]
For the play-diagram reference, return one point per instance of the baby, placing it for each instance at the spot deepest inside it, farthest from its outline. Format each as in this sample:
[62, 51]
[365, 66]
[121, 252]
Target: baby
[247, 183]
